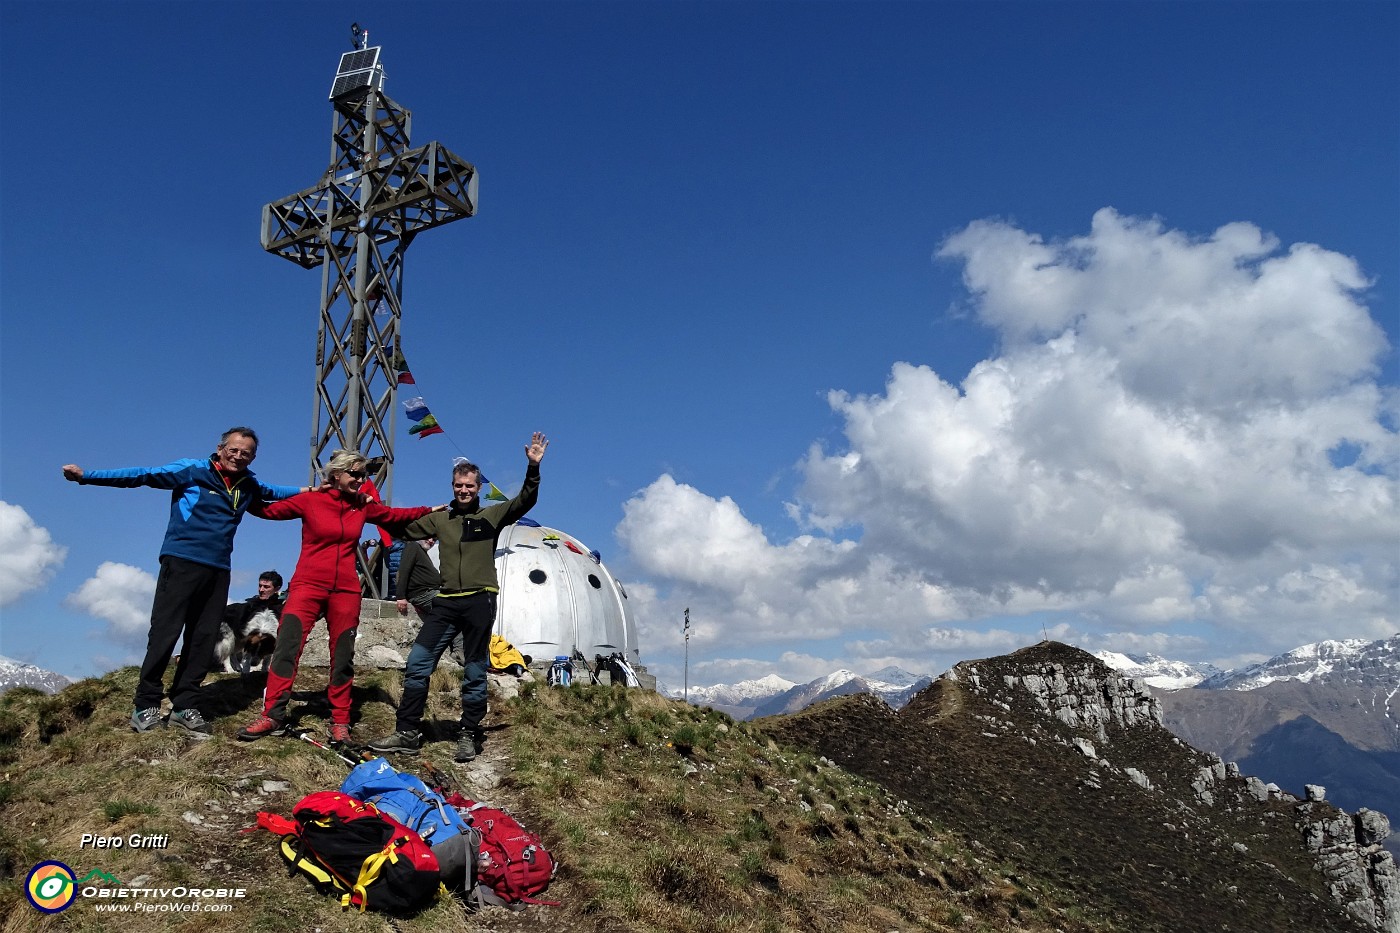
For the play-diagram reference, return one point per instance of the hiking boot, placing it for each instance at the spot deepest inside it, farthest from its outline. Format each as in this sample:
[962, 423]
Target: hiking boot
[468, 747]
[405, 742]
[144, 720]
[260, 727]
[192, 722]
[339, 733]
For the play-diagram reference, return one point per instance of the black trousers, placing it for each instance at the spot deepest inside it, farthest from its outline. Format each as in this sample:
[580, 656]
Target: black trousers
[472, 617]
[189, 603]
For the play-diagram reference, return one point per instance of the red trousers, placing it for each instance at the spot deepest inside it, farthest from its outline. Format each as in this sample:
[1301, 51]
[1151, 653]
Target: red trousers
[305, 604]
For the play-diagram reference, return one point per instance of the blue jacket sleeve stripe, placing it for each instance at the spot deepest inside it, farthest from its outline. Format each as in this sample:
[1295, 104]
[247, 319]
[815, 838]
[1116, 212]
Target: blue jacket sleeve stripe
[171, 476]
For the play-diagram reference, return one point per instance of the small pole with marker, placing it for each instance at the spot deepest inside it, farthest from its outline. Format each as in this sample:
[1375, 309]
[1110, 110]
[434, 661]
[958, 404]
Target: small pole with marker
[306, 737]
[687, 655]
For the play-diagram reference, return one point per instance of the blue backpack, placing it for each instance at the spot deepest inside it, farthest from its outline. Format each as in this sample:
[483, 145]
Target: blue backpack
[423, 810]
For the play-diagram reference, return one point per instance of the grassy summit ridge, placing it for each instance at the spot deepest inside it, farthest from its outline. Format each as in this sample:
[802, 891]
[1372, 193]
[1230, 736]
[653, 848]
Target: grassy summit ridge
[664, 818]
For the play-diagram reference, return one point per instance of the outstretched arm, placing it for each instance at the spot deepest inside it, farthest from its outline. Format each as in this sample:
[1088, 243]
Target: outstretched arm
[171, 476]
[281, 510]
[396, 520]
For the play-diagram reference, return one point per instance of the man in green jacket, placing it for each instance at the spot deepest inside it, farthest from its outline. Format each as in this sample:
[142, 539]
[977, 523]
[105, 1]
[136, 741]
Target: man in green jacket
[465, 604]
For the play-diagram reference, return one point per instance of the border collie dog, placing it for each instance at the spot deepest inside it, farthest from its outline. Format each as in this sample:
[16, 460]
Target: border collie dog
[241, 652]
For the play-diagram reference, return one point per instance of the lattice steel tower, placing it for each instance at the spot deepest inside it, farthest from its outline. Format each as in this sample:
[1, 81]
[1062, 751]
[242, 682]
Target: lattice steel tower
[356, 224]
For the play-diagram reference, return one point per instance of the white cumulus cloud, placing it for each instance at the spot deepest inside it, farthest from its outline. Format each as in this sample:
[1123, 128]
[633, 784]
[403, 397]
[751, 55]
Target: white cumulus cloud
[120, 595]
[28, 555]
[1176, 431]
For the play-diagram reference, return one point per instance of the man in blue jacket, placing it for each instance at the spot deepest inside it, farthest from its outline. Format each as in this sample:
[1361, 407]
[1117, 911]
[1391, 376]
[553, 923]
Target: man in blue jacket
[208, 499]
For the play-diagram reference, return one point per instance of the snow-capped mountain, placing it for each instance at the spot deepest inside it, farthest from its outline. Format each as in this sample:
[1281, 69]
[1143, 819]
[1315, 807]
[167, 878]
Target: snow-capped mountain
[896, 677]
[1326, 713]
[771, 695]
[1157, 671]
[18, 674]
[1326, 662]
[744, 693]
[801, 696]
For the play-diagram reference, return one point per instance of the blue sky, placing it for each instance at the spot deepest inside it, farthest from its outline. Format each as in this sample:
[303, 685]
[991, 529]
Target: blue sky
[872, 333]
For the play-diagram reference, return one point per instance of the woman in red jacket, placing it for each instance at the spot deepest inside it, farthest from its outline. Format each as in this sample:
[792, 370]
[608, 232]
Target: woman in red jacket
[325, 584]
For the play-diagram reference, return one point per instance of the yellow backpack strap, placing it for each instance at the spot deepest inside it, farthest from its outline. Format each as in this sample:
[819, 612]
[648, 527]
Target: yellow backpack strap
[369, 871]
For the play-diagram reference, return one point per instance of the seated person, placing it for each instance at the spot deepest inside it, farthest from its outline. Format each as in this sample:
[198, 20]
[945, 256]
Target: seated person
[248, 633]
[269, 597]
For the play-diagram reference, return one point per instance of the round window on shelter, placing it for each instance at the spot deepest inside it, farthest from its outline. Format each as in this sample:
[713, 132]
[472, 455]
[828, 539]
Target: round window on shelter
[537, 576]
[594, 582]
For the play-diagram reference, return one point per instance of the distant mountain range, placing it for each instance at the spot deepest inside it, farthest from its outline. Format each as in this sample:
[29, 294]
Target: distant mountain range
[1337, 662]
[1326, 713]
[1059, 768]
[772, 695]
[18, 674]
[1158, 672]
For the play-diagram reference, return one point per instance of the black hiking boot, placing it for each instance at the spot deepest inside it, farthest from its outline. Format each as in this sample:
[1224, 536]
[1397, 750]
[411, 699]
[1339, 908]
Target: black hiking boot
[468, 746]
[404, 742]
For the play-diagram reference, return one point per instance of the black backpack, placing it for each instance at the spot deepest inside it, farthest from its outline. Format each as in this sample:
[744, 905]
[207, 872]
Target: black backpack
[349, 847]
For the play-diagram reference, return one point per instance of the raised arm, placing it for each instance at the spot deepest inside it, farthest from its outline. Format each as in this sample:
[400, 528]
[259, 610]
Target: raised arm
[529, 493]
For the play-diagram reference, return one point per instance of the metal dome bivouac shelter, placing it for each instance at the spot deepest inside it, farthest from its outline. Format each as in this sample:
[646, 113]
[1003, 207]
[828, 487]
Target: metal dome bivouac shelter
[557, 598]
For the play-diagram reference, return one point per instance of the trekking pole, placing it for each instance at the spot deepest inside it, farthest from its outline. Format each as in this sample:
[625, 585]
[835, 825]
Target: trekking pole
[306, 737]
[436, 775]
[592, 674]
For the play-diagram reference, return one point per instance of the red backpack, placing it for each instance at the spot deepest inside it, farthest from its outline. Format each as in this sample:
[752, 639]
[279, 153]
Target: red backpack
[512, 862]
[350, 847]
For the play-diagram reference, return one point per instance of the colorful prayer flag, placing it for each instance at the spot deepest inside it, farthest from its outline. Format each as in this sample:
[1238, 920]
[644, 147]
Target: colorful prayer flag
[424, 425]
[400, 366]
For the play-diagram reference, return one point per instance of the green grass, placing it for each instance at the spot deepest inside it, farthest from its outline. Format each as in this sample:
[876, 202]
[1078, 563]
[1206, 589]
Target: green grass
[114, 810]
[662, 817]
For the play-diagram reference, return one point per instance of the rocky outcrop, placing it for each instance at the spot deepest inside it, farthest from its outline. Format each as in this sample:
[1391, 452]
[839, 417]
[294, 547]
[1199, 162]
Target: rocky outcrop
[1072, 686]
[1079, 691]
[1083, 698]
[1361, 875]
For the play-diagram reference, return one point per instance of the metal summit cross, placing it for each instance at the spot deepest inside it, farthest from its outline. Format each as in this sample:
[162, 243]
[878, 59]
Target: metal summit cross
[376, 196]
